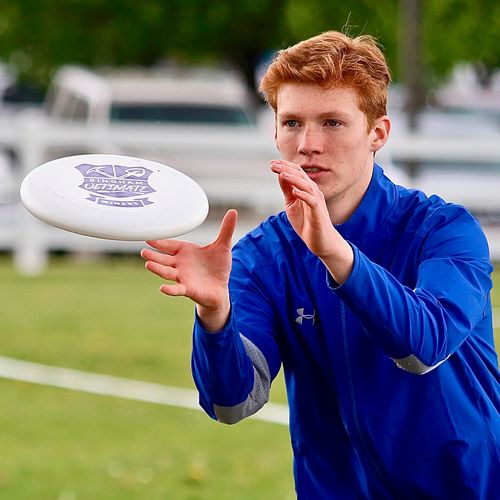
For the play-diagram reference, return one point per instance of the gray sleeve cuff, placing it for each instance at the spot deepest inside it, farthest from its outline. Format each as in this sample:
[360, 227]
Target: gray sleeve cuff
[259, 394]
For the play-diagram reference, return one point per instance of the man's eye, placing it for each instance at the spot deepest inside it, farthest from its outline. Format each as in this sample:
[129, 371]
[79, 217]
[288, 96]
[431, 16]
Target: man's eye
[291, 123]
[332, 123]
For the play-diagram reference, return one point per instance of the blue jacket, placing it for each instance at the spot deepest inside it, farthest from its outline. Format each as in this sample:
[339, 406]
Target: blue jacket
[392, 377]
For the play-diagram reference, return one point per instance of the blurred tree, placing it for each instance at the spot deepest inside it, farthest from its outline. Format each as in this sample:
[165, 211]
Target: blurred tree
[238, 32]
[460, 30]
[37, 37]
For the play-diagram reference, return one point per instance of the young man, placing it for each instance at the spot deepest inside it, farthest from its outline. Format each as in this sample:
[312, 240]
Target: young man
[374, 298]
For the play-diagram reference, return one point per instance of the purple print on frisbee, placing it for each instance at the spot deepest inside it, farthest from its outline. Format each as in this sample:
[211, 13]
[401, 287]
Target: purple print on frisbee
[110, 184]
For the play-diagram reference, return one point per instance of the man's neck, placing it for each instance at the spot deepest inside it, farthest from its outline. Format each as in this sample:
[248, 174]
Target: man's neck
[342, 206]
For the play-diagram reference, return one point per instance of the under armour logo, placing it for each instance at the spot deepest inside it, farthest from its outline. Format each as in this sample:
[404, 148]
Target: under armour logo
[301, 316]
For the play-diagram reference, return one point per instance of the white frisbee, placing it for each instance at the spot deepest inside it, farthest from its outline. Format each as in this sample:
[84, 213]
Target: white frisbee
[114, 197]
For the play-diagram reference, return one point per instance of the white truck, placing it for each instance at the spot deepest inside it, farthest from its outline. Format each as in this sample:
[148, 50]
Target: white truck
[198, 121]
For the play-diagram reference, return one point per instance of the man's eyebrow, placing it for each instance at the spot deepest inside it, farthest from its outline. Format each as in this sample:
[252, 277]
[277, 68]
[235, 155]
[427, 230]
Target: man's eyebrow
[287, 115]
[334, 113]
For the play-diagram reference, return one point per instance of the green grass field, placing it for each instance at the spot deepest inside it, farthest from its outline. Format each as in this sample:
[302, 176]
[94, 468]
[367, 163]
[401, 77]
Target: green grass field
[107, 316]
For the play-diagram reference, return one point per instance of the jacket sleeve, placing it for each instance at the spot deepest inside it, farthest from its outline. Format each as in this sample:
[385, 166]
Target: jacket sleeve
[420, 328]
[233, 369]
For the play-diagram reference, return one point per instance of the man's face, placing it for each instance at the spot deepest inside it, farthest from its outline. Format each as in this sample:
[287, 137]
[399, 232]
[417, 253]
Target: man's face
[325, 132]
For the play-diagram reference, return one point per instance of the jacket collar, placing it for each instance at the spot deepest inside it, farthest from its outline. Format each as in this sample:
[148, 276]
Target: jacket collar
[374, 208]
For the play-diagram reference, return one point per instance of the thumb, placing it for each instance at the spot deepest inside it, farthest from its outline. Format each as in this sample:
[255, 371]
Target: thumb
[227, 228]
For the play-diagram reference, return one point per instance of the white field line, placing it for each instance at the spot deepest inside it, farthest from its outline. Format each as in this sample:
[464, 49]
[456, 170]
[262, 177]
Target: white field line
[106, 385]
[149, 392]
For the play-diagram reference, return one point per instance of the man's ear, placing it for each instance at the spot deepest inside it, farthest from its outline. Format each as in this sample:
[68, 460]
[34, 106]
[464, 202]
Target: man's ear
[380, 132]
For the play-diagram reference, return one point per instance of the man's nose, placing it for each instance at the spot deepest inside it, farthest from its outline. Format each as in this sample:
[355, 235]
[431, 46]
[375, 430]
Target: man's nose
[311, 141]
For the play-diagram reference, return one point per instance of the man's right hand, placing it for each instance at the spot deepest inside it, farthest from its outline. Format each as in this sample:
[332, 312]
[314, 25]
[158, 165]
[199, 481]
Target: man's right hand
[200, 273]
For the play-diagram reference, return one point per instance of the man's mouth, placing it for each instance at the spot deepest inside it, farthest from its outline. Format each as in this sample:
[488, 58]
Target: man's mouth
[312, 169]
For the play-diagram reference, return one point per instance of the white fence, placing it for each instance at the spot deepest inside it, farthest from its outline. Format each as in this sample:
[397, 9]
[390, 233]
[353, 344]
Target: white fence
[247, 184]
[33, 139]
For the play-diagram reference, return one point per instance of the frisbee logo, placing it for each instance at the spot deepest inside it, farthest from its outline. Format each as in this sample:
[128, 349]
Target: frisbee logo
[111, 184]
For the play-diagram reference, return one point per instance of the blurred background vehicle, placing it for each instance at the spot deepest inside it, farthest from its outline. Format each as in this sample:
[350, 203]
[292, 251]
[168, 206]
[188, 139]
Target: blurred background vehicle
[178, 95]
[205, 117]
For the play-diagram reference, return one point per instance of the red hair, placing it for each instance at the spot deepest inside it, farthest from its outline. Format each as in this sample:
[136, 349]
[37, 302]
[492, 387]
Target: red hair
[333, 59]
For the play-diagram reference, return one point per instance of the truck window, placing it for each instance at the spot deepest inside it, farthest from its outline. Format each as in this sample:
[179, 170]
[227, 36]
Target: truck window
[179, 113]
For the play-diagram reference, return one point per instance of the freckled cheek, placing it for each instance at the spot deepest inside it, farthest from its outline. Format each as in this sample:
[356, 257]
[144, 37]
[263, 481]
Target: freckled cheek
[349, 146]
[286, 144]
[337, 148]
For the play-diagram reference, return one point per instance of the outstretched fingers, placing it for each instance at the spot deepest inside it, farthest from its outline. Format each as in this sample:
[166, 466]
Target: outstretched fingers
[197, 272]
[160, 258]
[168, 246]
[166, 272]
[174, 290]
